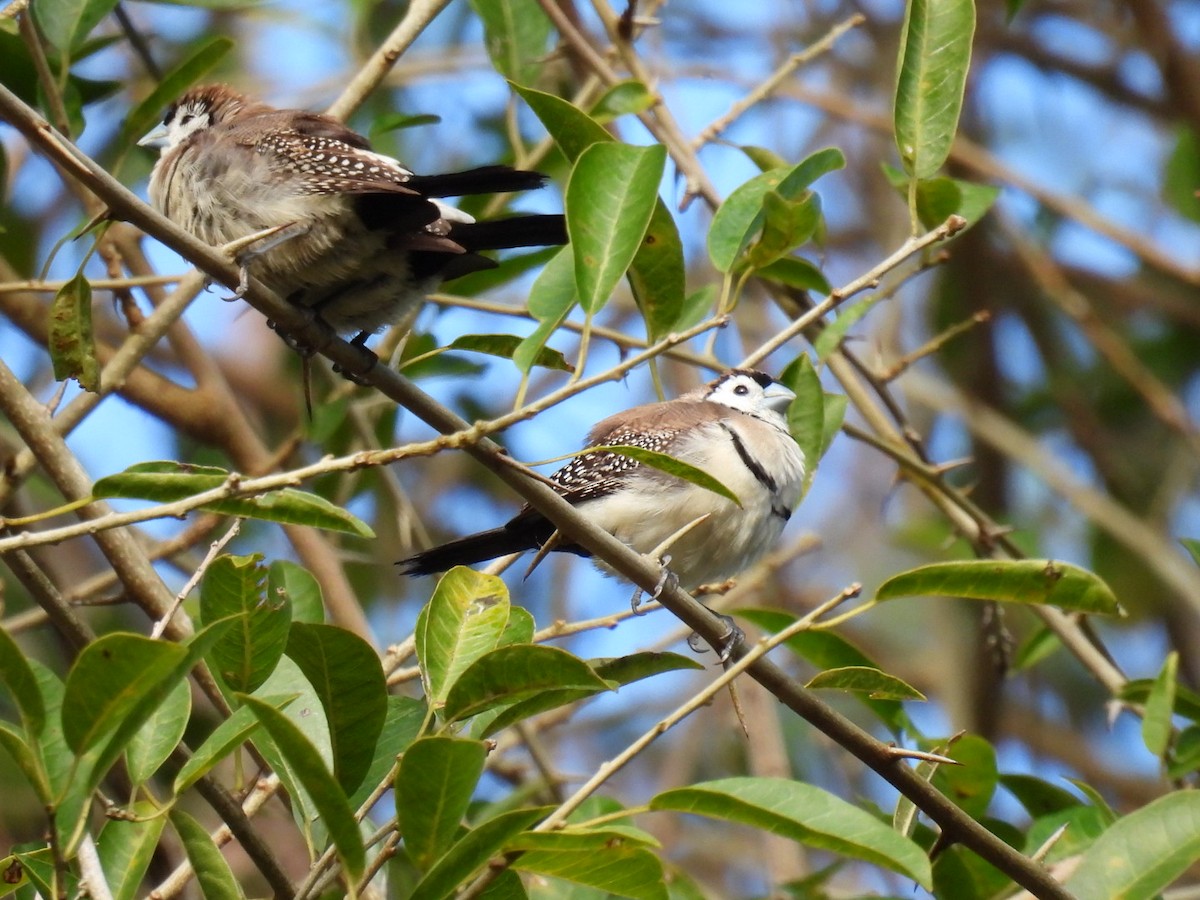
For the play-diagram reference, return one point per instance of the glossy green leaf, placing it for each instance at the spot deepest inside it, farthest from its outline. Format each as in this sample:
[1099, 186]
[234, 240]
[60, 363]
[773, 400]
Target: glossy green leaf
[213, 874]
[520, 627]
[802, 813]
[472, 851]
[1160, 707]
[166, 482]
[865, 680]
[401, 726]
[33, 868]
[1185, 755]
[806, 414]
[71, 342]
[111, 723]
[939, 198]
[973, 783]
[328, 798]
[622, 99]
[346, 673]
[125, 848]
[172, 85]
[1143, 852]
[511, 674]
[110, 678]
[505, 346]
[697, 305]
[609, 200]
[462, 621]
[741, 216]
[1039, 797]
[66, 23]
[572, 129]
[656, 275]
[763, 157]
[835, 412]
[795, 272]
[224, 739]
[935, 54]
[551, 299]
[583, 838]
[160, 735]
[621, 670]
[434, 786]
[14, 741]
[1137, 690]
[834, 332]
[668, 464]
[515, 33]
[1083, 825]
[295, 586]
[1042, 581]
[249, 652]
[17, 676]
[787, 223]
[621, 870]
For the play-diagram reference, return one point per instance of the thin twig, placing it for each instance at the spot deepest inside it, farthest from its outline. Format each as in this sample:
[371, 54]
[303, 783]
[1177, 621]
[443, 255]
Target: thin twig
[213, 551]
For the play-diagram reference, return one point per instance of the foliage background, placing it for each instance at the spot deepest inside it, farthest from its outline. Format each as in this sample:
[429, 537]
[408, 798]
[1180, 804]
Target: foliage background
[1075, 401]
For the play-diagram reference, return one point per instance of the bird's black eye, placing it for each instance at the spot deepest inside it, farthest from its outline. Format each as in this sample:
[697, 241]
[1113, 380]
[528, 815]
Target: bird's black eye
[186, 118]
[741, 390]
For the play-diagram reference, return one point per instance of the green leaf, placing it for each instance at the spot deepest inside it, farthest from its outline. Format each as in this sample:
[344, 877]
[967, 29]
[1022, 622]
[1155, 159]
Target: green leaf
[625, 871]
[110, 678]
[935, 54]
[1030, 581]
[505, 346]
[515, 33]
[71, 342]
[247, 655]
[865, 680]
[941, 197]
[401, 726]
[472, 851]
[622, 99]
[160, 735]
[434, 786]
[656, 275]
[668, 464]
[294, 586]
[1137, 690]
[511, 674]
[1160, 707]
[1182, 174]
[826, 650]
[741, 216]
[551, 299]
[213, 874]
[1193, 548]
[66, 23]
[348, 678]
[609, 200]
[1143, 852]
[572, 129]
[520, 627]
[167, 481]
[622, 670]
[17, 676]
[223, 740]
[173, 84]
[834, 332]
[835, 412]
[15, 742]
[802, 813]
[126, 847]
[462, 621]
[973, 783]
[1039, 797]
[806, 414]
[795, 272]
[1185, 755]
[787, 223]
[327, 796]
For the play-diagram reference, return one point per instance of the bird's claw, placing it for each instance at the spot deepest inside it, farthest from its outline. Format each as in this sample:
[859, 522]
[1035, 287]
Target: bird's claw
[723, 646]
[666, 577]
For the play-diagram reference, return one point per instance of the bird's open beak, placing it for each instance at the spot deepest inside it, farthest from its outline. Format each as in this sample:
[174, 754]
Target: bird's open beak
[156, 138]
[778, 398]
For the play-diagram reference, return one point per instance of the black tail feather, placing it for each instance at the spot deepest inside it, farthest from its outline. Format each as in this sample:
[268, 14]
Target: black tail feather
[467, 551]
[516, 231]
[484, 180]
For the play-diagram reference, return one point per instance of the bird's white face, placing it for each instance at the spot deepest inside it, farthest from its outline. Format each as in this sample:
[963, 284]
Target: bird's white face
[182, 121]
[752, 393]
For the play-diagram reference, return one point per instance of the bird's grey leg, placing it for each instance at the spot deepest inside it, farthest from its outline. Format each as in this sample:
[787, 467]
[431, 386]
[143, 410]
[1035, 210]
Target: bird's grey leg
[246, 250]
[723, 645]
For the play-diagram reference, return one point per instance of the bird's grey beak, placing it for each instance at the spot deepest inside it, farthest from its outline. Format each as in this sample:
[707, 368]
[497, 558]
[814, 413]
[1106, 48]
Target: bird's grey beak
[778, 398]
[156, 138]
